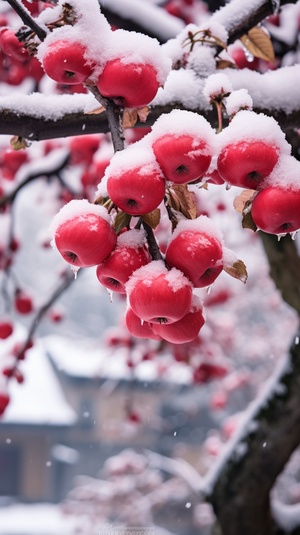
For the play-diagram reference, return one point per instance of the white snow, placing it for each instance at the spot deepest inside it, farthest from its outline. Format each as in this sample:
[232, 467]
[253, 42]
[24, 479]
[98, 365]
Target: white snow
[148, 273]
[238, 100]
[40, 399]
[46, 519]
[133, 239]
[286, 173]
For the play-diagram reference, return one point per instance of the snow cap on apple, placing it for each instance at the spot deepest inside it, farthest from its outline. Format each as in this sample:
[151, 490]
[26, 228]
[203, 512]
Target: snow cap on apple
[82, 233]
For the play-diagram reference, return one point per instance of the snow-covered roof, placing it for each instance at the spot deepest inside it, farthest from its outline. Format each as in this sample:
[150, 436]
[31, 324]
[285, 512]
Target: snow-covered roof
[40, 399]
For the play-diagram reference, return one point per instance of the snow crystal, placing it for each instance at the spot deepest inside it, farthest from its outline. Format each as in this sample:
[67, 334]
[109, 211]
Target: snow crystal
[133, 238]
[235, 12]
[247, 125]
[238, 100]
[182, 122]
[286, 173]
[202, 224]
[74, 209]
[216, 85]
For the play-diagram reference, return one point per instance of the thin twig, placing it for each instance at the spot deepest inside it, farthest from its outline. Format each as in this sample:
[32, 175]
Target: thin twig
[27, 19]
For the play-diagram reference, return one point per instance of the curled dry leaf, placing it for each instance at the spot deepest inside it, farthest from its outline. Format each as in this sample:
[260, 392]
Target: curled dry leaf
[259, 44]
[240, 200]
[129, 118]
[225, 64]
[19, 143]
[247, 221]
[143, 113]
[183, 200]
[237, 270]
[152, 218]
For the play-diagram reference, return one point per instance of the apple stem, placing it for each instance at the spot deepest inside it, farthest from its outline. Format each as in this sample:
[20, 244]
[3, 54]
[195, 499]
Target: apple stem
[220, 116]
[171, 214]
[152, 243]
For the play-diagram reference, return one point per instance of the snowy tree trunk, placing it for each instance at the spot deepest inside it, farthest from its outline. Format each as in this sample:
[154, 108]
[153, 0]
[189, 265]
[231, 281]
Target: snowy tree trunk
[241, 494]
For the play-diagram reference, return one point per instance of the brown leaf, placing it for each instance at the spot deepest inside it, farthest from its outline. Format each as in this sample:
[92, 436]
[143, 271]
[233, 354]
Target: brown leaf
[259, 44]
[247, 222]
[237, 270]
[241, 199]
[225, 64]
[19, 143]
[186, 198]
[143, 113]
[129, 118]
[95, 111]
[121, 221]
[152, 218]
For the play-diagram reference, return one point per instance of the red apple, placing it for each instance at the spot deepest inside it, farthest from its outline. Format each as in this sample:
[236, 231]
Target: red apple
[6, 329]
[276, 210]
[184, 330]
[135, 182]
[11, 45]
[158, 295]
[4, 401]
[209, 371]
[196, 249]
[64, 61]
[23, 302]
[83, 148]
[127, 256]
[182, 158]
[83, 234]
[138, 327]
[129, 85]
[247, 163]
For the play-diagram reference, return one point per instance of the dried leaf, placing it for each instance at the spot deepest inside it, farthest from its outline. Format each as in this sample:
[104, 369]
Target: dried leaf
[130, 117]
[122, 220]
[19, 143]
[237, 270]
[95, 111]
[143, 113]
[225, 64]
[186, 198]
[241, 200]
[152, 218]
[247, 222]
[259, 44]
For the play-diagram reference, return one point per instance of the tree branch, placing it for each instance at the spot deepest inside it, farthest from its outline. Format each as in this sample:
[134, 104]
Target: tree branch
[27, 19]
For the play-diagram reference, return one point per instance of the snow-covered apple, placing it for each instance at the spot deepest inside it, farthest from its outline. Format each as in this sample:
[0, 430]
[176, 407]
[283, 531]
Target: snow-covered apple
[196, 249]
[246, 164]
[64, 61]
[11, 45]
[82, 233]
[135, 182]
[159, 295]
[128, 255]
[182, 158]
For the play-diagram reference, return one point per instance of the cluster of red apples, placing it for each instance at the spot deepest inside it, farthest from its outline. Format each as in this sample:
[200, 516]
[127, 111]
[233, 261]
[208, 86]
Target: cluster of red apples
[182, 152]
